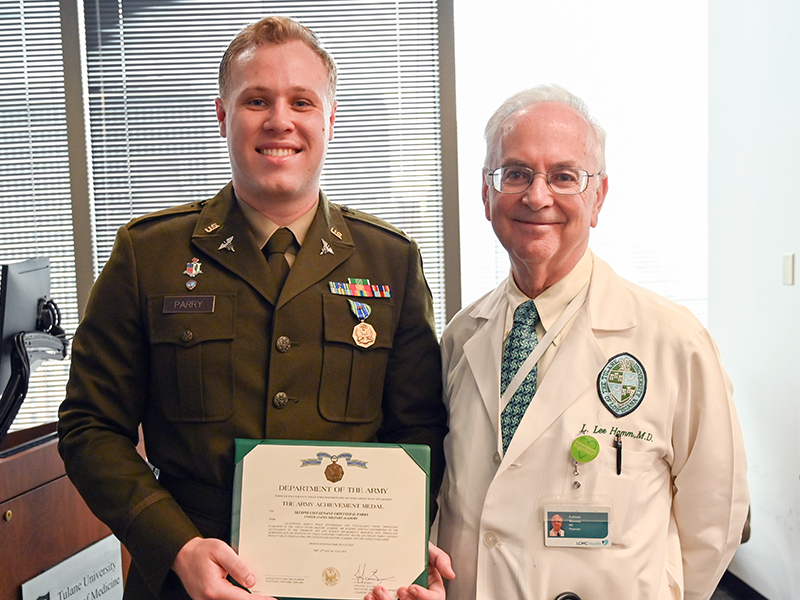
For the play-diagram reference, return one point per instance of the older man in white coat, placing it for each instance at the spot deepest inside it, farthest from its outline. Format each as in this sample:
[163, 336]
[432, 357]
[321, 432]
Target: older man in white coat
[597, 401]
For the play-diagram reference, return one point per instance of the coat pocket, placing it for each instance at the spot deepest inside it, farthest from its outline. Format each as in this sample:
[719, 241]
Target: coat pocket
[628, 490]
[193, 361]
[351, 386]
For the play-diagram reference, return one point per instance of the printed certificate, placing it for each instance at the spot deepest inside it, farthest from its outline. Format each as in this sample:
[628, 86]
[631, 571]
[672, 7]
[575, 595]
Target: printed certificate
[331, 520]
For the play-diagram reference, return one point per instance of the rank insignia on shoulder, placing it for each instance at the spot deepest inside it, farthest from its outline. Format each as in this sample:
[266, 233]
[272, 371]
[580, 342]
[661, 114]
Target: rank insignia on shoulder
[360, 287]
[622, 384]
[193, 268]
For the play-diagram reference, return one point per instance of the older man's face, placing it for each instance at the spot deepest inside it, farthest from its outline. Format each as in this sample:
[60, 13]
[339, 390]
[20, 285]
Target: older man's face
[542, 230]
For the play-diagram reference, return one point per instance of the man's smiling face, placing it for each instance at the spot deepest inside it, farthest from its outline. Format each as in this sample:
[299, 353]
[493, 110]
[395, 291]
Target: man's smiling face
[278, 120]
[543, 230]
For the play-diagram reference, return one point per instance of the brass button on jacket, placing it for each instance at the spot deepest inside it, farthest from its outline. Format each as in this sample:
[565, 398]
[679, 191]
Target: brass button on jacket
[283, 344]
[280, 400]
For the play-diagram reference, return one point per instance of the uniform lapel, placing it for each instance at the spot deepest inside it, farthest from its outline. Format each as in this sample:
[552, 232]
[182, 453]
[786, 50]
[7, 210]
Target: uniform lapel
[484, 349]
[322, 251]
[223, 233]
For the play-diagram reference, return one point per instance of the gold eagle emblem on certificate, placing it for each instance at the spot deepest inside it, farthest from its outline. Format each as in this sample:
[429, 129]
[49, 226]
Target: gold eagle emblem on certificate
[330, 576]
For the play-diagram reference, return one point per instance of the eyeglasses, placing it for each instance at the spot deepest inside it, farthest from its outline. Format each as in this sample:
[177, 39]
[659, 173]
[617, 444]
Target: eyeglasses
[562, 180]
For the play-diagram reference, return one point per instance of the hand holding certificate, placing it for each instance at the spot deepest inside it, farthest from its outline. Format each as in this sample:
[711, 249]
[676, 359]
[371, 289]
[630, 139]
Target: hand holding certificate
[439, 569]
[329, 520]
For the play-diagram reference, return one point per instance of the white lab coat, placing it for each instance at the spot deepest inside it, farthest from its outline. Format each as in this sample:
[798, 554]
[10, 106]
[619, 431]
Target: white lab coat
[677, 508]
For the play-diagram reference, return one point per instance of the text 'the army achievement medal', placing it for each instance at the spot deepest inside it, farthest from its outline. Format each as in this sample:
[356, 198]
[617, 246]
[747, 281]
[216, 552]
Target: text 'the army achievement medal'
[622, 384]
[364, 334]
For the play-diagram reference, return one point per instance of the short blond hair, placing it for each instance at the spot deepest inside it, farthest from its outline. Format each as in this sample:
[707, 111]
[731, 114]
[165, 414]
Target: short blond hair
[275, 30]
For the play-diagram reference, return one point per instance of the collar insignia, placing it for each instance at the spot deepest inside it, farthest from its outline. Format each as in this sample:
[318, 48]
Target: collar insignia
[227, 245]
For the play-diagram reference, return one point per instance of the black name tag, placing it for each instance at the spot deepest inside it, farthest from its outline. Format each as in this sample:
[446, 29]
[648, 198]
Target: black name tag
[189, 304]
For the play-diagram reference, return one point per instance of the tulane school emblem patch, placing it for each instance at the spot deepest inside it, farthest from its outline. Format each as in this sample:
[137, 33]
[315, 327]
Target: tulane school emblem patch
[622, 384]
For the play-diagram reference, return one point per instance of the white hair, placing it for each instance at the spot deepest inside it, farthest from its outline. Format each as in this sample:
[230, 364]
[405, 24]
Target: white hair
[544, 93]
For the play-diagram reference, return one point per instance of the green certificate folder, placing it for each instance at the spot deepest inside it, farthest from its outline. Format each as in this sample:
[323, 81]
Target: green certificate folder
[331, 520]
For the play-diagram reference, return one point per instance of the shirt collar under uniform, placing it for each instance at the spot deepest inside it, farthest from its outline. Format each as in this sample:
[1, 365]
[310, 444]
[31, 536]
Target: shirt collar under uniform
[551, 302]
[263, 227]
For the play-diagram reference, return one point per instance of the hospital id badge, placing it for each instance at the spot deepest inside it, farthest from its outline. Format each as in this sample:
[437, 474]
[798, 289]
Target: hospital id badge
[577, 524]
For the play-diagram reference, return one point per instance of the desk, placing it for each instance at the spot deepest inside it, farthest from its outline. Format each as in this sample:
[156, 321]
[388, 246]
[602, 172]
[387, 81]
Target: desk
[43, 519]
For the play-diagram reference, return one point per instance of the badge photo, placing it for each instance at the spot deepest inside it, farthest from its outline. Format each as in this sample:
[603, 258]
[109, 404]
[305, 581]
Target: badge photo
[569, 524]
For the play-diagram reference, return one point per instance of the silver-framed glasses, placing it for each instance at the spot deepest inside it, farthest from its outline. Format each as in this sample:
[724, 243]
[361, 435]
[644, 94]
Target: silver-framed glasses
[562, 180]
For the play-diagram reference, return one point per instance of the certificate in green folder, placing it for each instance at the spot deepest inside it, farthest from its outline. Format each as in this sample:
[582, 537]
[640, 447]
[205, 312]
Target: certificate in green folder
[331, 520]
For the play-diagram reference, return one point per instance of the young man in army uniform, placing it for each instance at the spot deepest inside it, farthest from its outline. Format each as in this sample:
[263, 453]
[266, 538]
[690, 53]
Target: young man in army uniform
[191, 333]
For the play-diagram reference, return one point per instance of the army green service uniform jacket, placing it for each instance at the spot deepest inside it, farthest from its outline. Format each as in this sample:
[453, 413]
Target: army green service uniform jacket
[184, 333]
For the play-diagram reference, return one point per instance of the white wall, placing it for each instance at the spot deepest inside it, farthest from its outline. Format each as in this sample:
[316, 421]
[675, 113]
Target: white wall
[754, 218]
[642, 69]
[678, 86]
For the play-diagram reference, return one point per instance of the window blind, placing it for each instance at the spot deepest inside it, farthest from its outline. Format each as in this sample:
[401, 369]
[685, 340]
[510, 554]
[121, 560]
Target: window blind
[152, 78]
[34, 174]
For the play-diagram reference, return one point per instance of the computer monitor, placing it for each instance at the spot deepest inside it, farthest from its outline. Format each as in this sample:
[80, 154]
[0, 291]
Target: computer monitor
[24, 291]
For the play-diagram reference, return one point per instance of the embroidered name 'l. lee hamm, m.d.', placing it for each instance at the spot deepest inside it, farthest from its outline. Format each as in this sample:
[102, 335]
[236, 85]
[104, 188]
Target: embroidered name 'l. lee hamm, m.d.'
[189, 304]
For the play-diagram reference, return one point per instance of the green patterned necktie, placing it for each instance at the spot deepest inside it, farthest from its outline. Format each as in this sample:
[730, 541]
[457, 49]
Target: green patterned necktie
[520, 343]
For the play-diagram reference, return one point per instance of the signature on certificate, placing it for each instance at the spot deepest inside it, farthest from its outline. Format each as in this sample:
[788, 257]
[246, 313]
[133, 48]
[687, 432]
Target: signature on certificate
[364, 574]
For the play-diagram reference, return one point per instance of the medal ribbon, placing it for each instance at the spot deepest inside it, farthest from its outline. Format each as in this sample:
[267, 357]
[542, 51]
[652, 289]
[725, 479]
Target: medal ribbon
[360, 310]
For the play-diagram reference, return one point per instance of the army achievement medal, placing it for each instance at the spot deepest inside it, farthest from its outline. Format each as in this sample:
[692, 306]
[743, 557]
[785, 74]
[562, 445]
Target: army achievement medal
[622, 384]
[334, 472]
[364, 334]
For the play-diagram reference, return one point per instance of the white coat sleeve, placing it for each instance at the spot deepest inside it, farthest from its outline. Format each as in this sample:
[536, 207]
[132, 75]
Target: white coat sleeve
[708, 468]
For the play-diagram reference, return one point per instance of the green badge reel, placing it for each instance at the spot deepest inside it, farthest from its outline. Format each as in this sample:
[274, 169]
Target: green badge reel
[585, 448]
